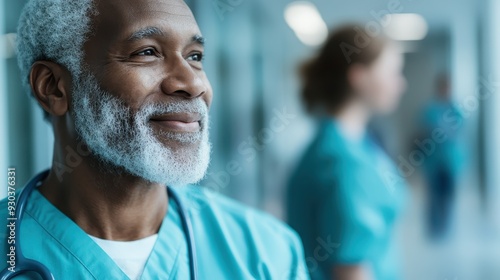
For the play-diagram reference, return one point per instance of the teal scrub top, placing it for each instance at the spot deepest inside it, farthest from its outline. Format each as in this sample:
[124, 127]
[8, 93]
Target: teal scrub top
[232, 242]
[448, 152]
[343, 200]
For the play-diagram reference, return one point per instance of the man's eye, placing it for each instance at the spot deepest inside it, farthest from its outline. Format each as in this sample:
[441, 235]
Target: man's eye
[146, 52]
[196, 57]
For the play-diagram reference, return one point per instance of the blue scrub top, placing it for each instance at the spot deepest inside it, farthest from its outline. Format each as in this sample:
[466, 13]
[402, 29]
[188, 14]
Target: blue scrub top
[343, 201]
[448, 153]
[232, 241]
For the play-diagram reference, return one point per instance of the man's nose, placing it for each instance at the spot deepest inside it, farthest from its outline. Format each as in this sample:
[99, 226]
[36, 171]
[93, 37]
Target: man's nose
[183, 80]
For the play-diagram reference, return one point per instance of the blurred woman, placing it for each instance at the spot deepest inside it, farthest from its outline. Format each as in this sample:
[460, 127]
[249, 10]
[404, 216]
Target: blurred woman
[345, 194]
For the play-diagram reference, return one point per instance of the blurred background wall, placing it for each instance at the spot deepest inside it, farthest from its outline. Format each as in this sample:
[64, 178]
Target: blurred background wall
[28, 138]
[259, 128]
[3, 103]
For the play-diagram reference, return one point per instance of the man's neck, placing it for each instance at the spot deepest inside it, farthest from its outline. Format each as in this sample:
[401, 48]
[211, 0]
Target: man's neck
[107, 205]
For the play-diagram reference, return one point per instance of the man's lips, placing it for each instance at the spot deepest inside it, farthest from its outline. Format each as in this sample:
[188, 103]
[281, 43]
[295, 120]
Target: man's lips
[178, 122]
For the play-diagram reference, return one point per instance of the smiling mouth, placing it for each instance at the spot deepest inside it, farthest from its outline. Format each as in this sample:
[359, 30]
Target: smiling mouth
[177, 122]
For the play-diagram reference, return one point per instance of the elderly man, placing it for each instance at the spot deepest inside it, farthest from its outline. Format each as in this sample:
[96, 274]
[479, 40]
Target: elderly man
[123, 85]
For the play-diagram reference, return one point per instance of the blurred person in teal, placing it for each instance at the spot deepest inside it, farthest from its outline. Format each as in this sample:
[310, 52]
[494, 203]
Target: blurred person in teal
[444, 158]
[345, 194]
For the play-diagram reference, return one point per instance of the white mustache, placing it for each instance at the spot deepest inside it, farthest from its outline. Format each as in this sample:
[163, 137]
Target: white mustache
[196, 106]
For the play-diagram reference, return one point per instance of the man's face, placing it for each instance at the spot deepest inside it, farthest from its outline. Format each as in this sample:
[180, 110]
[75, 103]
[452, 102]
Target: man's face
[148, 51]
[142, 102]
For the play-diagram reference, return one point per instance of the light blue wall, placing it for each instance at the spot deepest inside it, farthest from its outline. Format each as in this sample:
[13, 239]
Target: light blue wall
[230, 65]
[491, 71]
[4, 155]
[29, 138]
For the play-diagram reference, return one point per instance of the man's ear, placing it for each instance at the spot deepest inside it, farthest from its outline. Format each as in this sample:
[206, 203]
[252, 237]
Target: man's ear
[50, 83]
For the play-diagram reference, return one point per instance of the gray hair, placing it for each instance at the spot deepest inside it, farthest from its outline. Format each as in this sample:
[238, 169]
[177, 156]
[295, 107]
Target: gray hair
[53, 30]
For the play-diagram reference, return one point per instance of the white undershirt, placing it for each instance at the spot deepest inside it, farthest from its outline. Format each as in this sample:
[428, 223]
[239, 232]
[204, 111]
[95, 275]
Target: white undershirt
[130, 256]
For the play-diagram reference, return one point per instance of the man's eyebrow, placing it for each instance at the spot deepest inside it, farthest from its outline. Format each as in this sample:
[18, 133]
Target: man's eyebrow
[152, 31]
[198, 39]
[146, 32]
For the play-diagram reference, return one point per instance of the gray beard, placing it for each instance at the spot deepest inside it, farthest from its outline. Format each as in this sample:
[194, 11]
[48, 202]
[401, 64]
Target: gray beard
[123, 140]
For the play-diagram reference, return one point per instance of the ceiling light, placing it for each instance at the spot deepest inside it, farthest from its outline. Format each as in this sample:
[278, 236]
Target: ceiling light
[406, 27]
[305, 20]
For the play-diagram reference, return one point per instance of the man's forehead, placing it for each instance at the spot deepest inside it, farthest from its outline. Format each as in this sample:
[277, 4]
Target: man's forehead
[117, 16]
[135, 9]
[172, 7]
